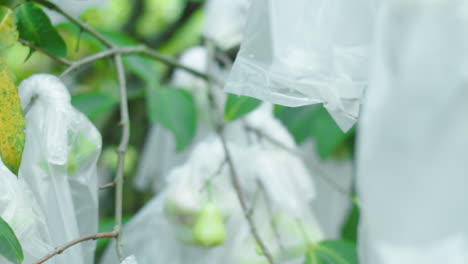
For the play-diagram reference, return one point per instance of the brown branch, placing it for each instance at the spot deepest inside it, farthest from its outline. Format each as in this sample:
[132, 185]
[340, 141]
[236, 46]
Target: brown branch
[107, 186]
[45, 52]
[61, 249]
[121, 150]
[220, 125]
[137, 10]
[142, 50]
[171, 30]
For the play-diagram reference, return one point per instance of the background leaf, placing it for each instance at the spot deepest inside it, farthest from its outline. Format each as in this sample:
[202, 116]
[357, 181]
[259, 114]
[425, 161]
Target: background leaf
[239, 106]
[12, 123]
[94, 103]
[11, 3]
[350, 227]
[175, 109]
[336, 252]
[8, 32]
[35, 26]
[315, 122]
[10, 247]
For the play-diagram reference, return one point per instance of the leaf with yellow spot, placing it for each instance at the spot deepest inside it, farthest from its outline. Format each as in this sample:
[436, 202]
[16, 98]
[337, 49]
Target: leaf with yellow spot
[12, 123]
[8, 31]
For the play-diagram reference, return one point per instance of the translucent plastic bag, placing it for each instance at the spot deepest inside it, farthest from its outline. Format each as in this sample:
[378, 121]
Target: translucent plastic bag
[305, 52]
[165, 222]
[130, 260]
[412, 162]
[19, 209]
[224, 22]
[59, 164]
[333, 180]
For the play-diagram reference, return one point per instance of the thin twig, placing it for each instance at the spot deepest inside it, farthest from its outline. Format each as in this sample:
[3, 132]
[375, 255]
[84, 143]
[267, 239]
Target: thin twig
[107, 186]
[82, 25]
[140, 49]
[61, 249]
[45, 52]
[219, 124]
[240, 195]
[121, 150]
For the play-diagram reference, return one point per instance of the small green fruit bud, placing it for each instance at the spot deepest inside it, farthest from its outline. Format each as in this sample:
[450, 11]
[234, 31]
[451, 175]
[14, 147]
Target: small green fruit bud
[209, 228]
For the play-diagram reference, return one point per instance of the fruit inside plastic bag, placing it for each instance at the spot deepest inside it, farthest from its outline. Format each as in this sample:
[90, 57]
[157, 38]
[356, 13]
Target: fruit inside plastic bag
[59, 164]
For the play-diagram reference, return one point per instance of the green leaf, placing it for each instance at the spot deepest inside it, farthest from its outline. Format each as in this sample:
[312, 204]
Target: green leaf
[175, 109]
[10, 247]
[336, 252]
[12, 123]
[8, 32]
[239, 106]
[298, 120]
[315, 122]
[328, 136]
[350, 227]
[35, 26]
[93, 104]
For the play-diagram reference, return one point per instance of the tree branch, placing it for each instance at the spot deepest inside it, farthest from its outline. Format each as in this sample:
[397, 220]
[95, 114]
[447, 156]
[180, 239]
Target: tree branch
[82, 25]
[125, 122]
[50, 55]
[140, 49]
[169, 31]
[220, 125]
[137, 10]
[61, 249]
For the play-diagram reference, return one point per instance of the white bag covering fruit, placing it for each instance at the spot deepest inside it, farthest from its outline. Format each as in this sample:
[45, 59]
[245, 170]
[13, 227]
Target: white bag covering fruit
[59, 164]
[162, 231]
[412, 162]
[19, 209]
[225, 21]
[305, 52]
[152, 167]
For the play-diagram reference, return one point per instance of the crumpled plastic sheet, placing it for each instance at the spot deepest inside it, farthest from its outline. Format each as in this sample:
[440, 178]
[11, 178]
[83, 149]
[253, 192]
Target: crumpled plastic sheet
[283, 199]
[305, 52]
[412, 162]
[152, 167]
[333, 181]
[59, 164]
[19, 209]
[225, 21]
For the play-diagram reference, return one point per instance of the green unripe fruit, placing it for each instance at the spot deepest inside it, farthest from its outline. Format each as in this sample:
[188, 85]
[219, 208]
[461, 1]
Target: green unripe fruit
[209, 228]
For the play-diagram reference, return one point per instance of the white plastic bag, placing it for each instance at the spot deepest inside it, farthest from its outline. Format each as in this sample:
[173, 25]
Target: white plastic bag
[19, 209]
[59, 164]
[224, 22]
[333, 181]
[165, 222]
[305, 52]
[412, 162]
[130, 260]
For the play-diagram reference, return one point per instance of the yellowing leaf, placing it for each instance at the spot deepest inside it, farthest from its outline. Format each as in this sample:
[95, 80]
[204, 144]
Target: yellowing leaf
[8, 32]
[12, 123]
